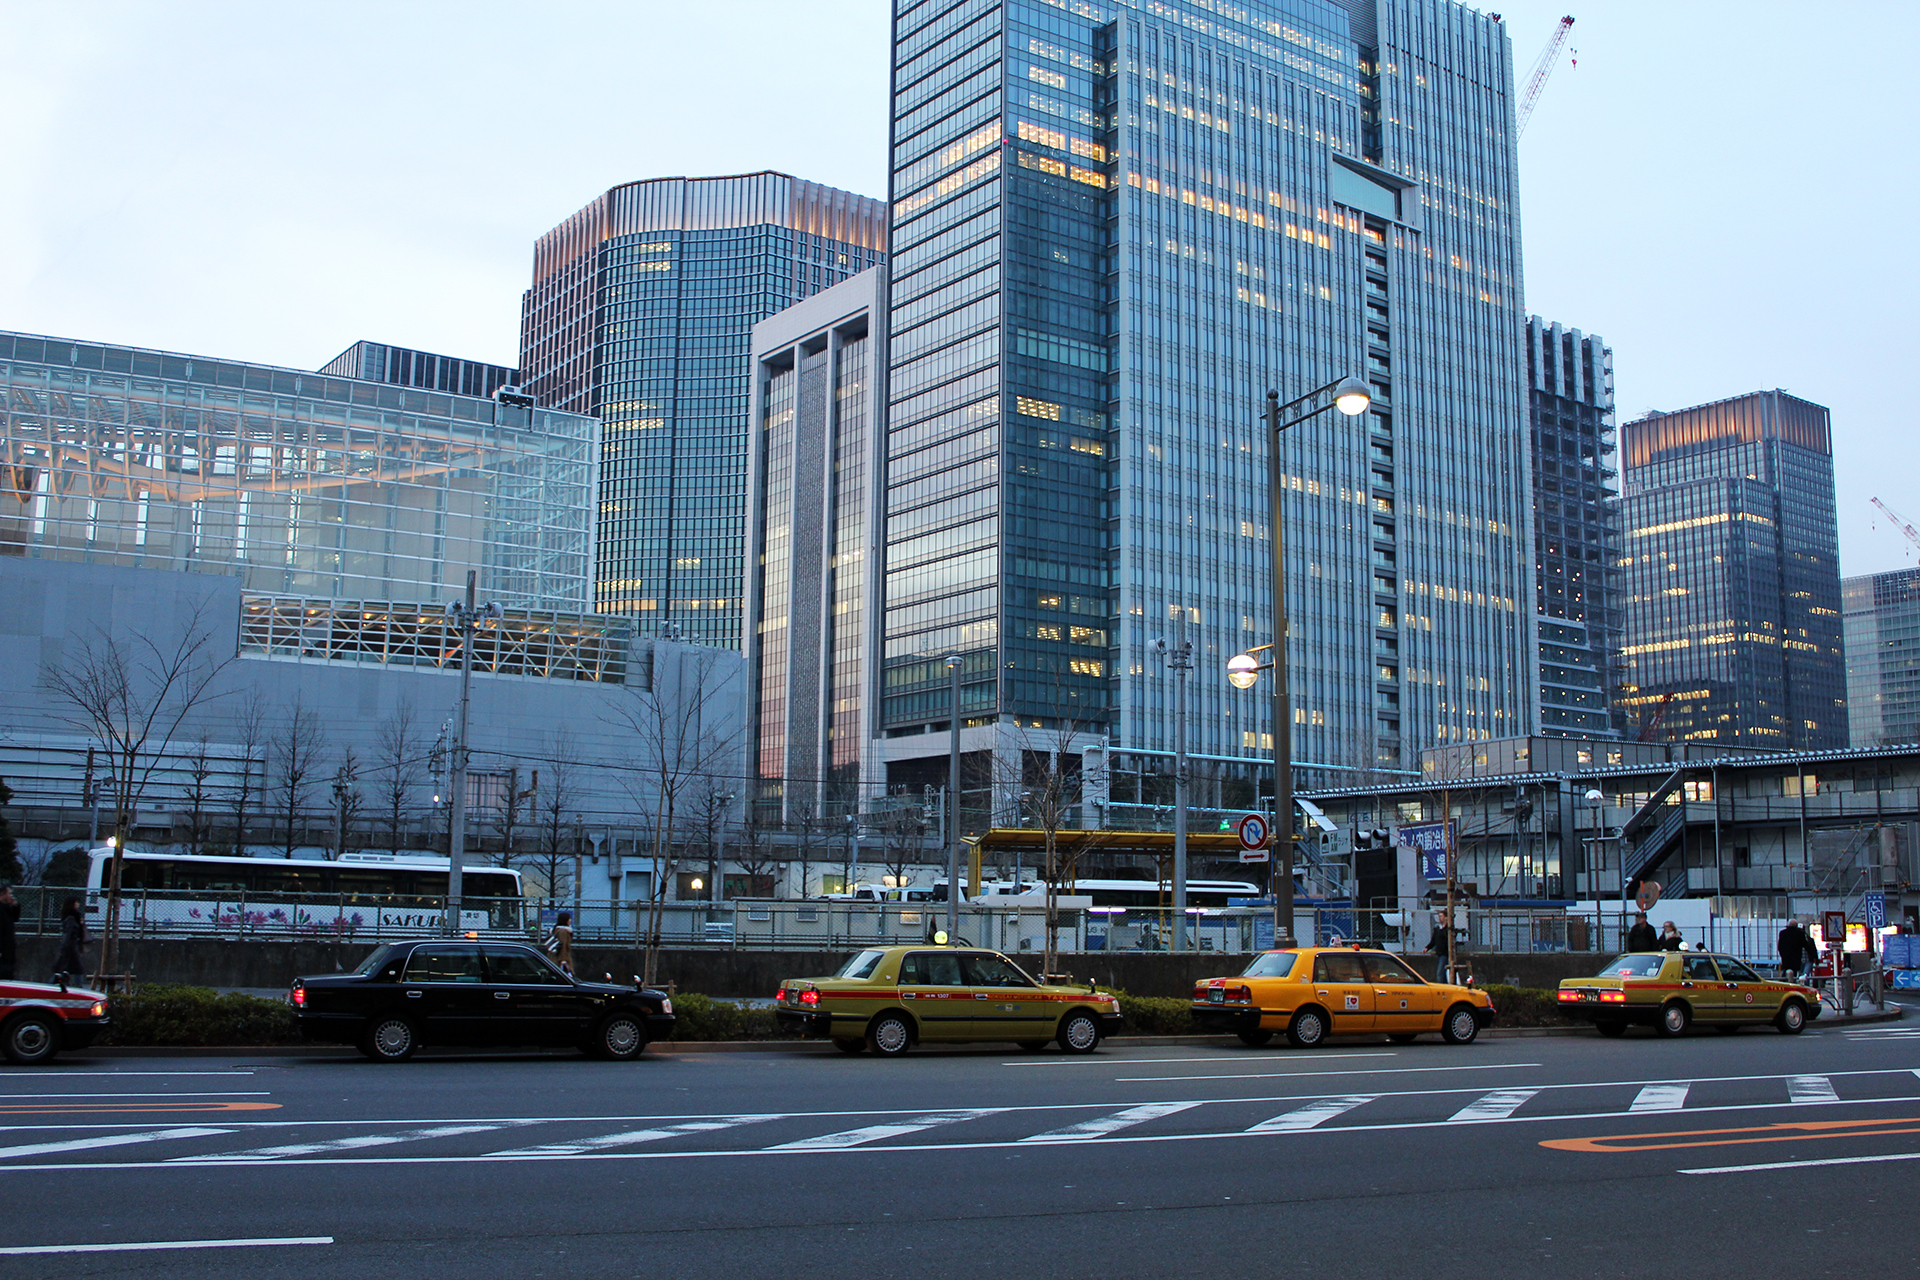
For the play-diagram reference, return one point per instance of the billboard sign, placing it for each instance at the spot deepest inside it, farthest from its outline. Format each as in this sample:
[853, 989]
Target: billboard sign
[1431, 840]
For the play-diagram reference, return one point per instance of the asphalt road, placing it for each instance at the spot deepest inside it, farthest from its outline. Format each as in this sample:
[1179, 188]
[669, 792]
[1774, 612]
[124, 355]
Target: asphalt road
[1709, 1156]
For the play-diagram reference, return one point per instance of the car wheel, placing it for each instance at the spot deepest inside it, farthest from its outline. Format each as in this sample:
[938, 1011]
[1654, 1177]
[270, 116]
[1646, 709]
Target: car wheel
[1460, 1027]
[1256, 1038]
[1308, 1029]
[31, 1040]
[1079, 1033]
[620, 1038]
[1612, 1029]
[389, 1040]
[1033, 1046]
[890, 1035]
[1791, 1018]
[1674, 1019]
[1403, 1037]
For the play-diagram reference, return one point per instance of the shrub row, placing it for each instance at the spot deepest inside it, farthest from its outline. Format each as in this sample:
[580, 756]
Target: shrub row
[171, 1014]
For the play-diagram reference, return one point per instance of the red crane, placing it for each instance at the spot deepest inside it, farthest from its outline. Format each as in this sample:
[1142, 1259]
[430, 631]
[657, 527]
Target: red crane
[1652, 725]
[1913, 535]
[1542, 68]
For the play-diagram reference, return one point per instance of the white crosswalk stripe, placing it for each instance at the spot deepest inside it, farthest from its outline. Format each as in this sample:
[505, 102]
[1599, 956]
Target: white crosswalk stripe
[1497, 1105]
[633, 1137]
[1661, 1097]
[116, 1140]
[1314, 1113]
[1108, 1124]
[878, 1132]
[354, 1144]
[1811, 1089]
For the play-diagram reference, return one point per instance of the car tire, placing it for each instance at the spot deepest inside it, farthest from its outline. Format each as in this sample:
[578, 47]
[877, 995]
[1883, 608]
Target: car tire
[1033, 1046]
[1792, 1018]
[1612, 1028]
[1308, 1029]
[846, 1044]
[890, 1035]
[1460, 1026]
[619, 1038]
[1079, 1033]
[389, 1040]
[31, 1039]
[1675, 1018]
[1403, 1037]
[1256, 1038]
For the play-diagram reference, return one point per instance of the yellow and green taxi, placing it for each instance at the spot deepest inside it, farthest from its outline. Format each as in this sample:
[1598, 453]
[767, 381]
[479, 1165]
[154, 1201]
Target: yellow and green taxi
[889, 999]
[1311, 993]
[1671, 990]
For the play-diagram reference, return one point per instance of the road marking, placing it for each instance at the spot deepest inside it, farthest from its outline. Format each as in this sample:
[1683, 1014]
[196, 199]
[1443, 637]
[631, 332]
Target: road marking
[877, 1132]
[223, 1093]
[634, 1136]
[1807, 1164]
[1109, 1124]
[1791, 1131]
[1661, 1097]
[351, 1144]
[136, 1108]
[1497, 1105]
[1811, 1089]
[115, 1140]
[41, 1073]
[1282, 1075]
[1154, 1062]
[1314, 1113]
[261, 1242]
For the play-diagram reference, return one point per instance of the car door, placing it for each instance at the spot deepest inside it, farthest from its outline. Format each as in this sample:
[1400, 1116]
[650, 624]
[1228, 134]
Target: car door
[1748, 996]
[1007, 1004]
[530, 1001]
[934, 988]
[1340, 982]
[1403, 1001]
[1701, 985]
[446, 984]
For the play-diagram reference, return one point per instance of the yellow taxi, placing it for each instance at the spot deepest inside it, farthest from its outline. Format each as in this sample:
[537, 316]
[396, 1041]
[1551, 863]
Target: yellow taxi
[1671, 990]
[1311, 993]
[889, 999]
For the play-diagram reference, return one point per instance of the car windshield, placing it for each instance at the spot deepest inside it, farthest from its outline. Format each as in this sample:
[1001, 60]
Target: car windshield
[371, 965]
[861, 966]
[1383, 968]
[1634, 967]
[1274, 964]
[987, 970]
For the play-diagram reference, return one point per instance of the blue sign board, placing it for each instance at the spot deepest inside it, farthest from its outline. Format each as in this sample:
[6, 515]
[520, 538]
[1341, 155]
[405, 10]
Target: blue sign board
[1876, 904]
[1433, 840]
[1263, 933]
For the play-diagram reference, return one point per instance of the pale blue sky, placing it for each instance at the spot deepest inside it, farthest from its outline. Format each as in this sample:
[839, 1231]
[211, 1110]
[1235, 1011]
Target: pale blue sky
[1723, 191]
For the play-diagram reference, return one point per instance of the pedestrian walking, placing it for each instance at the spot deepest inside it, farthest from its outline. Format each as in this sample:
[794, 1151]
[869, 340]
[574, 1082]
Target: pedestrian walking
[1642, 937]
[1812, 952]
[1792, 943]
[560, 940]
[9, 915]
[1670, 938]
[68, 962]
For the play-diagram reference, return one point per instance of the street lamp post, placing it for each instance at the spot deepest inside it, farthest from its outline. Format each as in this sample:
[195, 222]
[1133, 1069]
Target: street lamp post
[1179, 662]
[1351, 397]
[952, 807]
[466, 617]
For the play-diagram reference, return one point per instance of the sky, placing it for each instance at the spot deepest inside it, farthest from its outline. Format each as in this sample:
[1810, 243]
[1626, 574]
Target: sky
[275, 182]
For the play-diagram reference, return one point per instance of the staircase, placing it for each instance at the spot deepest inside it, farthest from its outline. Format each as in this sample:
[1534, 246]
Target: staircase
[1653, 847]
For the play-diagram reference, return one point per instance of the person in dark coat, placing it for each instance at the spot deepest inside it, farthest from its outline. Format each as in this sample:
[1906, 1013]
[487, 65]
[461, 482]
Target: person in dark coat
[73, 938]
[9, 913]
[1793, 949]
[1670, 938]
[1642, 937]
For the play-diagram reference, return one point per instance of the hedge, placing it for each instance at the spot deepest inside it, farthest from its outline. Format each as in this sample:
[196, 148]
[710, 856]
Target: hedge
[170, 1014]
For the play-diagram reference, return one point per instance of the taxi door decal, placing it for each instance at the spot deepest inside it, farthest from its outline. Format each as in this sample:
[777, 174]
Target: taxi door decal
[1353, 1002]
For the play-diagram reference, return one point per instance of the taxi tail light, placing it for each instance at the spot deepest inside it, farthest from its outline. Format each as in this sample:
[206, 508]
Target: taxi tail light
[1566, 996]
[1613, 997]
[809, 997]
[299, 995]
[1240, 993]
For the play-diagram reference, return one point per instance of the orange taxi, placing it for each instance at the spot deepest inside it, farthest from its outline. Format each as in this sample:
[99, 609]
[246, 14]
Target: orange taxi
[1310, 993]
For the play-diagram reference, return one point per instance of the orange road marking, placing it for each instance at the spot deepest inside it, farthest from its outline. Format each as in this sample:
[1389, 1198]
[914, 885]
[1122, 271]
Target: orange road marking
[1797, 1132]
[115, 1108]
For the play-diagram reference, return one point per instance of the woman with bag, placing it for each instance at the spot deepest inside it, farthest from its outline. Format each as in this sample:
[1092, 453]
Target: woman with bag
[560, 941]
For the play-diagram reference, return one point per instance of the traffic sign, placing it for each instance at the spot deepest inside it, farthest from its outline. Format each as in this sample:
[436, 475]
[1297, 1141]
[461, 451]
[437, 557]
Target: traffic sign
[1254, 855]
[1253, 834]
[1876, 904]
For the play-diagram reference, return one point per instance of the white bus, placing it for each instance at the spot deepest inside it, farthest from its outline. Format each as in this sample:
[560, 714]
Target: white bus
[1137, 894]
[361, 895]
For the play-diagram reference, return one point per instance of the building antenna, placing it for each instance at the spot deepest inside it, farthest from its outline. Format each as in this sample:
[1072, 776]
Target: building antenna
[1542, 68]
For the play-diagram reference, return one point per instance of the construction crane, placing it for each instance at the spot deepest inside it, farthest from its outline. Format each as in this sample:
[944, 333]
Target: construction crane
[1652, 725]
[1542, 68]
[1913, 535]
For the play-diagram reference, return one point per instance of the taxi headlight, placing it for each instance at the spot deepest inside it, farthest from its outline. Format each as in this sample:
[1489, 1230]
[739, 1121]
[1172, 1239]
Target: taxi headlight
[666, 1004]
[99, 1008]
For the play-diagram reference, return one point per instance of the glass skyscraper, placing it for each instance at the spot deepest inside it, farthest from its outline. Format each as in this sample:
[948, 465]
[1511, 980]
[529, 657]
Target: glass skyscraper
[1733, 578]
[405, 367]
[1115, 227]
[641, 312]
[1882, 619]
[1576, 529]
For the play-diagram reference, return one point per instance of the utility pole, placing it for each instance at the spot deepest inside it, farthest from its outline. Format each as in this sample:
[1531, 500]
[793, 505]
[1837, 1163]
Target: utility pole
[952, 808]
[466, 617]
[1280, 866]
[1179, 661]
[92, 801]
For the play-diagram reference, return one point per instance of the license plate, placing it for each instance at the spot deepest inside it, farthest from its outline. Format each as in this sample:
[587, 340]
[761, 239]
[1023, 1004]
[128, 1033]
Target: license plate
[1589, 995]
[1216, 995]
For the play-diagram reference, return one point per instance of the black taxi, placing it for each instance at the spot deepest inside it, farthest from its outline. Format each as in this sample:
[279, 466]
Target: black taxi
[466, 992]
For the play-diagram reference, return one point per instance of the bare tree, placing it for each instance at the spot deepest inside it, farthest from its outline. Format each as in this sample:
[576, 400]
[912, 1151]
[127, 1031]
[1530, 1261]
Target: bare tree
[511, 814]
[132, 694]
[685, 741]
[807, 818]
[250, 728]
[295, 749]
[753, 850]
[199, 795]
[347, 801]
[711, 802]
[903, 834]
[1053, 786]
[398, 748]
[553, 801]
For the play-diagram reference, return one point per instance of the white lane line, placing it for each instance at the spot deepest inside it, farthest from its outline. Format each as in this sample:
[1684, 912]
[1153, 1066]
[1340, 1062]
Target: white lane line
[877, 1132]
[1661, 1097]
[351, 1144]
[633, 1137]
[116, 1140]
[261, 1242]
[1223, 1056]
[1109, 1124]
[1497, 1105]
[1282, 1075]
[165, 1093]
[1811, 1089]
[1806, 1164]
[1313, 1114]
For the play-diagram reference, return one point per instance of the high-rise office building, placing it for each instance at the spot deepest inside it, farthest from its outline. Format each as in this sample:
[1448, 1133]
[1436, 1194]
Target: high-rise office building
[1578, 582]
[642, 312]
[405, 367]
[1882, 619]
[1115, 228]
[813, 520]
[1733, 579]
